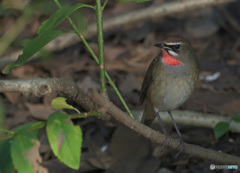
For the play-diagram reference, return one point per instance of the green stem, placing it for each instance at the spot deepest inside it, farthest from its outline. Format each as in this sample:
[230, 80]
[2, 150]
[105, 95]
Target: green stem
[38, 126]
[84, 115]
[104, 4]
[7, 131]
[101, 47]
[42, 124]
[97, 60]
[6, 137]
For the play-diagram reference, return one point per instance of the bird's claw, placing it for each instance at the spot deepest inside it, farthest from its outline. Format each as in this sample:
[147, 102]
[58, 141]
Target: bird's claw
[180, 146]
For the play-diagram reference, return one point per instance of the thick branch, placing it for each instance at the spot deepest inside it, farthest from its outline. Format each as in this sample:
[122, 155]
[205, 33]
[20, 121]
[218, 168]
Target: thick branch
[40, 87]
[157, 137]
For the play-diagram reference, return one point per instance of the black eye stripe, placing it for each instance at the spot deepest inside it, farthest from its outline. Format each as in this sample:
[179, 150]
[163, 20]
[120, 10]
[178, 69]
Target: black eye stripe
[176, 46]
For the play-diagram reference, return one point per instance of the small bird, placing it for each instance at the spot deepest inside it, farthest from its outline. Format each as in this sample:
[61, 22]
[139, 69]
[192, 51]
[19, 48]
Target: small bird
[169, 81]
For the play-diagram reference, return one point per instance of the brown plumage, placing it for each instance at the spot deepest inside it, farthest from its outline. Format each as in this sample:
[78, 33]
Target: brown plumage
[170, 79]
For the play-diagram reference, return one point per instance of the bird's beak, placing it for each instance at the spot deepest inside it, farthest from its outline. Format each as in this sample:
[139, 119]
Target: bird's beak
[161, 45]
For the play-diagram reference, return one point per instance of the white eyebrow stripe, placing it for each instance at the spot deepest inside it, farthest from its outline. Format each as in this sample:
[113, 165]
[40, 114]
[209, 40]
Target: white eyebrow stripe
[172, 53]
[179, 43]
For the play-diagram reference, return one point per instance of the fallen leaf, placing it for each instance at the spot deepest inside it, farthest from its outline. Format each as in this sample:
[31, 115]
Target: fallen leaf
[39, 111]
[12, 97]
[34, 158]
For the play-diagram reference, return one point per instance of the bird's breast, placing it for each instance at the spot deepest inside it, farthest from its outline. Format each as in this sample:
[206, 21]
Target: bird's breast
[168, 92]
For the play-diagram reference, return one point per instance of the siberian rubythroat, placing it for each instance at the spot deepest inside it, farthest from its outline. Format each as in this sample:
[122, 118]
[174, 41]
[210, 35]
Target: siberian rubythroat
[169, 81]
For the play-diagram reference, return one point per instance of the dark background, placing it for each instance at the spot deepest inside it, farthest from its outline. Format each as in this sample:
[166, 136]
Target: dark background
[213, 32]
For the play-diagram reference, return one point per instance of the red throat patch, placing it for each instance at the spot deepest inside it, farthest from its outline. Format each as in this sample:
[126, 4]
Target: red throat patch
[169, 60]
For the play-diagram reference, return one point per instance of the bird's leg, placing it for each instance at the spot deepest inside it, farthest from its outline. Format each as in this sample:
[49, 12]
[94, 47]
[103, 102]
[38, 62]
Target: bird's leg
[181, 144]
[167, 141]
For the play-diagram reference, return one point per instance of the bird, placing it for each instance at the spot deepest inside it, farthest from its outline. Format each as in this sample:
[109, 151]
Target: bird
[169, 82]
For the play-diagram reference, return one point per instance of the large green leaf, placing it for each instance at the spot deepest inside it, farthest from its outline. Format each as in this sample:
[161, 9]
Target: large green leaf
[220, 129]
[21, 143]
[59, 16]
[65, 139]
[33, 47]
[6, 164]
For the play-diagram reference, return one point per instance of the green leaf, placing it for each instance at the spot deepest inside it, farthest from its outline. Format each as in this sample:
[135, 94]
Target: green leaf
[236, 117]
[59, 16]
[60, 103]
[6, 164]
[65, 139]
[28, 126]
[20, 144]
[220, 129]
[33, 47]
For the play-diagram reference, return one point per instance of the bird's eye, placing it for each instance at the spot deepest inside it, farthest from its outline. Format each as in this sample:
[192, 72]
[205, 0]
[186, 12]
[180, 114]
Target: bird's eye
[177, 46]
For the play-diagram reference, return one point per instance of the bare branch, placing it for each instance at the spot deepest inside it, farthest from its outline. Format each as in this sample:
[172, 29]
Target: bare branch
[155, 136]
[40, 87]
[196, 119]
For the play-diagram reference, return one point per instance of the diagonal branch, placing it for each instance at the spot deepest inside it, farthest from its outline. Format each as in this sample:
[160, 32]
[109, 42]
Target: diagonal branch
[157, 137]
[95, 102]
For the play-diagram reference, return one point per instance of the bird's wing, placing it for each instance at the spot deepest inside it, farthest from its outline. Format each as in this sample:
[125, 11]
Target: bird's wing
[148, 80]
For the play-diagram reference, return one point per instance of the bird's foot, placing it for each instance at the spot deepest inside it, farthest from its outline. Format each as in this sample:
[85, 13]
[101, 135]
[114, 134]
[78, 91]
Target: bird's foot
[180, 147]
[167, 143]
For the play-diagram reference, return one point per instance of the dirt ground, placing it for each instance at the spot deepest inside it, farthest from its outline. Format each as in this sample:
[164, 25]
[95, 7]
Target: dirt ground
[112, 148]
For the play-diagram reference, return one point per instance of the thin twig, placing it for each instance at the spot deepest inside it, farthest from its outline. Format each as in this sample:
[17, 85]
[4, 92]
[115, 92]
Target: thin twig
[85, 114]
[104, 4]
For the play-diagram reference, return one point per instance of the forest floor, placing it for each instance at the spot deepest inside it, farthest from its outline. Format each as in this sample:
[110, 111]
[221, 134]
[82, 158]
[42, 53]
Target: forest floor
[129, 50]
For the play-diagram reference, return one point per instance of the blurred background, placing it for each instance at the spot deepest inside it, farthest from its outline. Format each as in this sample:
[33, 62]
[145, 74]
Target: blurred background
[213, 32]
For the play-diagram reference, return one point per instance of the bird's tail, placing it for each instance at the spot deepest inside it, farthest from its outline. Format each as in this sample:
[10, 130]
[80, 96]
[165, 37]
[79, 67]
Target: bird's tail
[148, 114]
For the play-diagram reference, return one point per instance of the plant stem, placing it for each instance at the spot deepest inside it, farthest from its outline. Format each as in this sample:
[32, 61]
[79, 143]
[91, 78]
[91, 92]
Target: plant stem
[84, 115]
[42, 124]
[97, 60]
[104, 4]
[101, 47]
[7, 131]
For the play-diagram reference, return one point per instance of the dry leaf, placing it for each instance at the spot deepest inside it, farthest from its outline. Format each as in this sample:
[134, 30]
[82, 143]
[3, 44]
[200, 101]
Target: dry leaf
[12, 97]
[34, 158]
[39, 111]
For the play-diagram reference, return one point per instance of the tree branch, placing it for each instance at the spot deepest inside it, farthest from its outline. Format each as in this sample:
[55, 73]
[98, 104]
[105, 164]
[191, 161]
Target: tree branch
[95, 102]
[157, 137]
[196, 119]
[40, 87]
